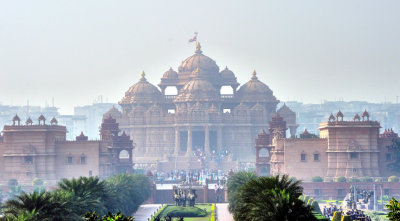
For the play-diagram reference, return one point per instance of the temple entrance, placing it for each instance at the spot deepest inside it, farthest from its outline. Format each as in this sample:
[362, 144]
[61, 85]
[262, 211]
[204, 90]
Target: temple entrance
[183, 141]
[198, 140]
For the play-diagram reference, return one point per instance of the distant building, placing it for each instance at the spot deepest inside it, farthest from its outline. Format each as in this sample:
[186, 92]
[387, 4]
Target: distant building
[352, 149]
[29, 151]
[94, 115]
[309, 116]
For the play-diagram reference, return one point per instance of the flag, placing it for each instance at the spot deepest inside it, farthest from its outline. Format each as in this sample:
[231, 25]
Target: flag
[194, 38]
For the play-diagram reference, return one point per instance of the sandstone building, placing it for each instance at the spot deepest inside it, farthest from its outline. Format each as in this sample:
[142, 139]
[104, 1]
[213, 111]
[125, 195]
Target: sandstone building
[170, 128]
[29, 151]
[351, 149]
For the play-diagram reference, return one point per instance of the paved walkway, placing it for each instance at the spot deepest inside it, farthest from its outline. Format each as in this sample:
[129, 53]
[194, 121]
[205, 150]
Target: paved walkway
[145, 211]
[223, 212]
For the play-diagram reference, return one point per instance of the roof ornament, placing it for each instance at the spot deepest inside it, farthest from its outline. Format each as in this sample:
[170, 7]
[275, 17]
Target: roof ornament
[254, 77]
[143, 76]
[198, 48]
[29, 121]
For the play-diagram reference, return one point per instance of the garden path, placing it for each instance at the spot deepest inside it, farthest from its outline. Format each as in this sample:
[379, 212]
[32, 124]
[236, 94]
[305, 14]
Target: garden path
[145, 211]
[223, 213]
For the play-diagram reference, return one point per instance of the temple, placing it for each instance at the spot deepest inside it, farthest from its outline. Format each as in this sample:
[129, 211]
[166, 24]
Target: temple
[29, 151]
[199, 117]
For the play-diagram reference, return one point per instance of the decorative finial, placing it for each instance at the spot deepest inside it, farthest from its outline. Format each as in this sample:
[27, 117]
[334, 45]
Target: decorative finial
[254, 77]
[198, 48]
[143, 76]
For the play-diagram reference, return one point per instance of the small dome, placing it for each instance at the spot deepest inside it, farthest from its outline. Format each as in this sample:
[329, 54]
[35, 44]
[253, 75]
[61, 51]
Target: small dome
[113, 112]
[258, 107]
[170, 74]
[332, 118]
[142, 92]
[365, 114]
[356, 117]
[198, 89]
[29, 121]
[285, 110]
[226, 74]
[255, 90]
[198, 60]
[339, 114]
[41, 117]
[213, 109]
[16, 118]
[53, 121]
[241, 107]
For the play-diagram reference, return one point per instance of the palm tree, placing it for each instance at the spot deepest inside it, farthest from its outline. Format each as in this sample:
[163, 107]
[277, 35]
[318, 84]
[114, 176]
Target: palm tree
[234, 183]
[85, 194]
[35, 206]
[271, 198]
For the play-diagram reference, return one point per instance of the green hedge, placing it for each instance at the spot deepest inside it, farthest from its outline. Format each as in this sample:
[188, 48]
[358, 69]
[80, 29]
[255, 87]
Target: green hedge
[180, 211]
[317, 179]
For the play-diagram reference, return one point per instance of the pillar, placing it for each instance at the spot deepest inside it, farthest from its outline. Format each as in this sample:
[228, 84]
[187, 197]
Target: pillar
[207, 140]
[189, 143]
[219, 139]
[177, 141]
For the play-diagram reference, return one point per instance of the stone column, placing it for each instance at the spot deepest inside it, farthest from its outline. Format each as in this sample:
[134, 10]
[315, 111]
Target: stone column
[207, 140]
[189, 142]
[219, 138]
[177, 141]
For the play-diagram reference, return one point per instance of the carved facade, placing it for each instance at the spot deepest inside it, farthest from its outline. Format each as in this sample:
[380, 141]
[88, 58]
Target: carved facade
[29, 151]
[352, 149]
[198, 116]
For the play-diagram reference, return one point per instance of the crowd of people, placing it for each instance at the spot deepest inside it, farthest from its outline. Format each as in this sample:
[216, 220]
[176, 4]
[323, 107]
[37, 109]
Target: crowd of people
[354, 214]
[192, 176]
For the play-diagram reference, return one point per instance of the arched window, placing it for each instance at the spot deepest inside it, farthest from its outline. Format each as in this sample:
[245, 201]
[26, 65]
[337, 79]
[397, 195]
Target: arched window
[171, 90]
[123, 155]
[226, 90]
[263, 153]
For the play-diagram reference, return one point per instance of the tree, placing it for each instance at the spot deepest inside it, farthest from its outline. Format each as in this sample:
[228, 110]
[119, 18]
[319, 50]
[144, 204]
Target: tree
[36, 206]
[130, 191]
[234, 183]
[340, 179]
[395, 150]
[85, 194]
[393, 179]
[317, 179]
[394, 210]
[271, 198]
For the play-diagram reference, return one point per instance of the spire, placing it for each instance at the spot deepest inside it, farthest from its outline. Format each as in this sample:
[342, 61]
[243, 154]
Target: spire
[143, 76]
[254, 77]
[198, 48]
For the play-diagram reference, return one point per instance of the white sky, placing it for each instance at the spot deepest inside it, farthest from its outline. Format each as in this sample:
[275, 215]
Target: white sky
[307, 51]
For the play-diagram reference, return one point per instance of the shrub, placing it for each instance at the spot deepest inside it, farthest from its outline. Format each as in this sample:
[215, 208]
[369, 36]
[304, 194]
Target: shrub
[367, 179]
[337, 216]
[340, 179]
[346, 218]
[393, 179]
[12, 182]
[354, 180]
[316, 207]
[394, 209]
[317, 179]
[180, 211]
[37, 182]
[379, 180]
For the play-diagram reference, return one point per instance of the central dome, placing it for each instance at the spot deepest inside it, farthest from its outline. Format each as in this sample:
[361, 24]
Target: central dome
[198, 60]
[198, 89]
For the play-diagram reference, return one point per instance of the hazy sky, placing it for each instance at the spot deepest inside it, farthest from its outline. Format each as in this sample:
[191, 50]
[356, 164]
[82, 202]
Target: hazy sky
[75, 51]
